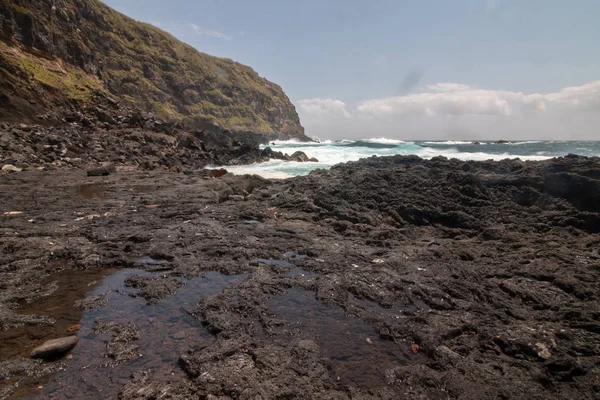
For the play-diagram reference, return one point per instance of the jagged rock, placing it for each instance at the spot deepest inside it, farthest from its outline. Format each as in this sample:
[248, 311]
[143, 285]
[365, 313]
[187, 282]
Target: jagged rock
[153, 289]
[299, 156]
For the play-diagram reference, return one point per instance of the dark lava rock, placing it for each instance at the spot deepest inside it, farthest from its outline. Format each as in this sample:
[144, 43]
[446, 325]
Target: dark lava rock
[119, 349]
[54, 348]
[484, 274]
[102, 171]
[153, 289]
[299, 156]
[142, 387]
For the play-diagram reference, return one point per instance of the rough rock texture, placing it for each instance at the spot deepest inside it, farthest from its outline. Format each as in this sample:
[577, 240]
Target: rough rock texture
[118, 348]
[64, 54]
[153, 289]
[134, 140]
[23, 367]
[483, 276]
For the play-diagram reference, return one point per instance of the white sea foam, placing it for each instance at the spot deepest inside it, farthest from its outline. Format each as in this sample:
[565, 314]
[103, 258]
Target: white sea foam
[525, 142]
[449, 142]
[333, 153]
[383, 140]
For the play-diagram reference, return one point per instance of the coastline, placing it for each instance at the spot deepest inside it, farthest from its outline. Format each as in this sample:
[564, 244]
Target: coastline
[472, 271]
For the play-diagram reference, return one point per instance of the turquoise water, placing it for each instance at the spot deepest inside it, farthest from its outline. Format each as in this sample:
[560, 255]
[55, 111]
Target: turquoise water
[330, 153]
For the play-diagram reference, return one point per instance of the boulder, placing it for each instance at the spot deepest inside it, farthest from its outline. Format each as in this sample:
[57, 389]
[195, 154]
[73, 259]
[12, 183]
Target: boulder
[102, 171]
[299, 156]
[55, 347]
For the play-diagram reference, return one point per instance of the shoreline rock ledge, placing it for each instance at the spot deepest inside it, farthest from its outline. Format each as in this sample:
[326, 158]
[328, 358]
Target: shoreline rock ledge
[55, 347]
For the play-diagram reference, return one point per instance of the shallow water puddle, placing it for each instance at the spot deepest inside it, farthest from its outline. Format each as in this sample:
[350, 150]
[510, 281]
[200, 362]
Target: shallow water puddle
[358, 355]
[71, 286]
[166, 331]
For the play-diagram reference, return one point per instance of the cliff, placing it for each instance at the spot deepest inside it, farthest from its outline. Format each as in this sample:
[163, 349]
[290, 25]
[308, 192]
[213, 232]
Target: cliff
[66, 54]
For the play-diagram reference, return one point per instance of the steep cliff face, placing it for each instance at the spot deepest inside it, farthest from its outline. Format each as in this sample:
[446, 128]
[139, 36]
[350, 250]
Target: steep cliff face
[57, 53]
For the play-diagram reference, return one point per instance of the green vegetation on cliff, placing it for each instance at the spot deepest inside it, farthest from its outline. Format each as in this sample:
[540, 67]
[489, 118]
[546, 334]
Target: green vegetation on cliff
[64, 51]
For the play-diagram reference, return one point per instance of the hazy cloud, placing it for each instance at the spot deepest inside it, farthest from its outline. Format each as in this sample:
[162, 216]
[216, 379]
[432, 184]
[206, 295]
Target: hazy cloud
[198, 30]
[323, 108]
[458, 102]
[447, 87]
[444, 109]
[459, 99]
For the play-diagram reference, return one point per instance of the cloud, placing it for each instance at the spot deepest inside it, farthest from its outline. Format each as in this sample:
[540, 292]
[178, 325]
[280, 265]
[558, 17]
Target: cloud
[323, 108]
[452, 99]
[443, 109]
[585, 97]
[447, 87]
[198, 30]
[449, 102]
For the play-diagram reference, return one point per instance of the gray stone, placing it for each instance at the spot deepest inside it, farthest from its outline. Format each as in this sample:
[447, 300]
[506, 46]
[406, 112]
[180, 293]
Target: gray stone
[446, 352]
[54, 347]
[179, 335]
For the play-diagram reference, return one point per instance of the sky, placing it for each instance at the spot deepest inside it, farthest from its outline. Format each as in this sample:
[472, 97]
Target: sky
[409, 69]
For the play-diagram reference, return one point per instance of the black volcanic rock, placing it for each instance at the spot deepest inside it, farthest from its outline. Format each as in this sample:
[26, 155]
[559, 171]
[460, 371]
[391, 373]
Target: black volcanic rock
[413, 278]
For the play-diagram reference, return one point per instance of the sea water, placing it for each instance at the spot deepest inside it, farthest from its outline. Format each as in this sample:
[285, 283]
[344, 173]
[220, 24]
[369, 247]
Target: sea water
[330, 153]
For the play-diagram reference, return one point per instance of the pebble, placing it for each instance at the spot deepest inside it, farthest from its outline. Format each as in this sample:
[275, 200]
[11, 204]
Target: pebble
[179, 335]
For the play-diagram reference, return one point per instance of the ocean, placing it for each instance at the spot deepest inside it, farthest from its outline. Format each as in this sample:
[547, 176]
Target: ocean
[330, 153]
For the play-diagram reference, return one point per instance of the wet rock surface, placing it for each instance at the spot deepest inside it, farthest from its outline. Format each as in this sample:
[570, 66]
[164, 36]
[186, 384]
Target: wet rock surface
[153, 289]
[384, 278]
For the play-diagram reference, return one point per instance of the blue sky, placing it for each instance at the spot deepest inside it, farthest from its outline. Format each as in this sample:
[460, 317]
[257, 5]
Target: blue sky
[338, 59]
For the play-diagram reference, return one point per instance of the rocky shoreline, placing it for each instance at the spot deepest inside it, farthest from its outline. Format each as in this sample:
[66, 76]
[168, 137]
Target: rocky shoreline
[129, 140]
[389, 277]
